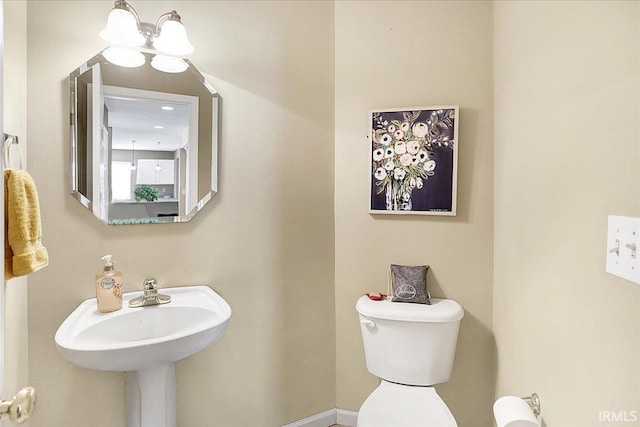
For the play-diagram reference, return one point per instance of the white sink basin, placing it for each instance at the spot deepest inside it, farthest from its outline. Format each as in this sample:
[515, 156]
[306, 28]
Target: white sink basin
[135, 338]
[146, 342]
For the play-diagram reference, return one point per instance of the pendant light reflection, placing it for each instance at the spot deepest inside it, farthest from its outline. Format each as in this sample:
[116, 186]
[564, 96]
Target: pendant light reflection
[133, 158]
[157, 167]
[167, 39]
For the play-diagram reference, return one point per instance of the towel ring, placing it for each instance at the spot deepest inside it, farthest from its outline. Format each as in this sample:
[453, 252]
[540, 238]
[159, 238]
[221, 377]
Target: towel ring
[9, 141]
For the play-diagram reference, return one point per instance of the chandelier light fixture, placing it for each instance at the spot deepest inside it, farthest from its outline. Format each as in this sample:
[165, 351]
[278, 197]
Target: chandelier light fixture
[128, 37]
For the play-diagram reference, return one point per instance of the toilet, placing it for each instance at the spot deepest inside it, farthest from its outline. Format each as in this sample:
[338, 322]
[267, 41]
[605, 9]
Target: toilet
[411, 348]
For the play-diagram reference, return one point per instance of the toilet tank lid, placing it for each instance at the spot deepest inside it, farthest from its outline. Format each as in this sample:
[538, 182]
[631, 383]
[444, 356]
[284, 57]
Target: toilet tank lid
[440, 310]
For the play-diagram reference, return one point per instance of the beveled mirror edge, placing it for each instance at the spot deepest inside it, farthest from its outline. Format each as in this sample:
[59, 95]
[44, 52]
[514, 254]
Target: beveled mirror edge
[73, 149]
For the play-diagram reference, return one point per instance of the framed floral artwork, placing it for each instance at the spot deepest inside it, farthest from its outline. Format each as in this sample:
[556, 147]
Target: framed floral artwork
[414, 160]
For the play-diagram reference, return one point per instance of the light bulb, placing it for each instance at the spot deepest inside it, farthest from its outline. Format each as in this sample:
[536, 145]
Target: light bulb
[158, 167]
[122, 29]
[173, 39]
[124, 57]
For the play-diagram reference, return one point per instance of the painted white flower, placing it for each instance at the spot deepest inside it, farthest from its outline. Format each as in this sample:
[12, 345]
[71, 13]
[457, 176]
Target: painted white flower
[399, 135]
[378, 154]
[420, 130]
[389, 153]
[413, 147]
[405, 127]
[391, 128]
[429, 165]
[399, 174]
[419, 183]
[386, 139]
[412, 182]
[415, 160]
[422, 155]
[380, 174]
[400, 147]
[389, 165]
[405, 159]
[406, 197]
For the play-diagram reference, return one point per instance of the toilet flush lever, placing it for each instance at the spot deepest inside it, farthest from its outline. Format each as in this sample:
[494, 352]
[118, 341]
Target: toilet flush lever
[368, 323]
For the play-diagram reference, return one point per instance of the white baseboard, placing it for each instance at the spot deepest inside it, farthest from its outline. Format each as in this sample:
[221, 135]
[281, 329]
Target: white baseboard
[347, 418]
[327, 419]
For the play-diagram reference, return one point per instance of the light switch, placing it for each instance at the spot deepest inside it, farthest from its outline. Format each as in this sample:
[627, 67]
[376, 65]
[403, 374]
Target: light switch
[622, 247]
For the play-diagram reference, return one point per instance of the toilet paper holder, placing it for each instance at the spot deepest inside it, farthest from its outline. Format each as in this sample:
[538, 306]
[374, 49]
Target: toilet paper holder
[534, 403]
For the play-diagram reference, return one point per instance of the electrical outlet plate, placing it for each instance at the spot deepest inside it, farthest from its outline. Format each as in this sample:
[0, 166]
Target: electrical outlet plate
[622, 247]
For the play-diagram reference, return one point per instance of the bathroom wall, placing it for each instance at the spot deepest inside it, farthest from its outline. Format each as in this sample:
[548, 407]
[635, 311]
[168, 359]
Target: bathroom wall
[403, 54]
[265, 242]
[566, 156]
[14, 99]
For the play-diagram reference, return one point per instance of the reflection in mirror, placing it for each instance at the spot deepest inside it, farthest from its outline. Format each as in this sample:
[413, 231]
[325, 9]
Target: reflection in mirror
[143, 142]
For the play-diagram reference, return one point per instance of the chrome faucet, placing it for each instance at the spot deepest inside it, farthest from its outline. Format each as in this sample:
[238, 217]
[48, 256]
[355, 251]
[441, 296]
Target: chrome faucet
[150, 295]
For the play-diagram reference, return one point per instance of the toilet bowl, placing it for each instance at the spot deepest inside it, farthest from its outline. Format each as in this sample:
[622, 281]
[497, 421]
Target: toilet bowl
[411, 348]
[397, 405]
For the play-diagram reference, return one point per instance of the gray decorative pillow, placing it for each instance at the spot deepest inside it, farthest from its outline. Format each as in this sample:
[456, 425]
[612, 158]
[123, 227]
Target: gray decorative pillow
[409, 283]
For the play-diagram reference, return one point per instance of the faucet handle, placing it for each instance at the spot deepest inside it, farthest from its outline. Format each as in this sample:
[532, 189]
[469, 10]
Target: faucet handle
[150, 283]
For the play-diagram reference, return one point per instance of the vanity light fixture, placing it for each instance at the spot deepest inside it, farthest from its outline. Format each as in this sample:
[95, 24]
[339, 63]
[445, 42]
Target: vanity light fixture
[158, 127]
[128, 37]
[133, 159]
[167, 108]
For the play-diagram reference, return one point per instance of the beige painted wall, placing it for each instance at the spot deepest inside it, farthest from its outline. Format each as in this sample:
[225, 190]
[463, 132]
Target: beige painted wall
[563, 327]
[566, 156]
[14, 98]
[265, 242]
[399, 54]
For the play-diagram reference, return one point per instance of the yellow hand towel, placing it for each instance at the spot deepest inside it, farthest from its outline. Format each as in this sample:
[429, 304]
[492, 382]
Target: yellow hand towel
[24, 252]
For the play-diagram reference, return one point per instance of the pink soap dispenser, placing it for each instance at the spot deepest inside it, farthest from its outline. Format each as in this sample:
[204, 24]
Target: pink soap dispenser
[109, 287]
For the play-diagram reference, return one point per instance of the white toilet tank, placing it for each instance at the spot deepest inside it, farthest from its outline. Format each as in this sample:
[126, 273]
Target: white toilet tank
[406, 343]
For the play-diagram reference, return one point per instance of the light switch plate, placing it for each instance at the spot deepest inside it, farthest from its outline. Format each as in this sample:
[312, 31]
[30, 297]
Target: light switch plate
[622, 247]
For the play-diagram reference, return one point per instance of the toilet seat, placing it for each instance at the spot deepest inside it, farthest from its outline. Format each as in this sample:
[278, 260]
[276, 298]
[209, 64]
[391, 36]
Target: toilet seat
[404, 406]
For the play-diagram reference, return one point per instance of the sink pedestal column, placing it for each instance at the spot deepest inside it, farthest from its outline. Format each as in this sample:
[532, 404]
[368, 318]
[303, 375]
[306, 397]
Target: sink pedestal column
[150, 397]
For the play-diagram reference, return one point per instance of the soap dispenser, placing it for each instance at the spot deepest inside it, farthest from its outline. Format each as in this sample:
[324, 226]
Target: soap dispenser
[109, 287]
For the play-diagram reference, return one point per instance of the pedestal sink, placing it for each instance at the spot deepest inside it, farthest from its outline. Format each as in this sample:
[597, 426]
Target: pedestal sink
[145, 342]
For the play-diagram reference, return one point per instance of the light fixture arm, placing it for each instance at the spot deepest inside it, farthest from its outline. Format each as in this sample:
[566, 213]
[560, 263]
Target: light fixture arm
[122, 4]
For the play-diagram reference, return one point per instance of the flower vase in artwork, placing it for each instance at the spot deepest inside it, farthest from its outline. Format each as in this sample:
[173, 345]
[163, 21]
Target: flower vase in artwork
[396, 199]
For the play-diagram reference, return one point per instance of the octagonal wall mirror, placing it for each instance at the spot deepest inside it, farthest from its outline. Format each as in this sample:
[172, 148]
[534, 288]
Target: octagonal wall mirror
[144, 143]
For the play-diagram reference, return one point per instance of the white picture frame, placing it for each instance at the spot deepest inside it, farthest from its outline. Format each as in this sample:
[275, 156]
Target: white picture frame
[413, 156]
